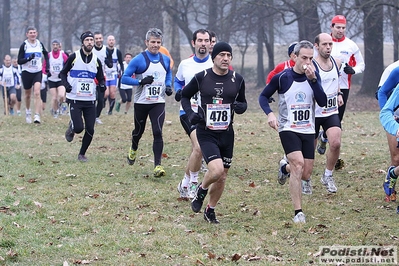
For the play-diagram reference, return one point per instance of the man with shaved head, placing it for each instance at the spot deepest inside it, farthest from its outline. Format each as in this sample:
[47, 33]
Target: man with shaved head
[327, 116]
[111, 73]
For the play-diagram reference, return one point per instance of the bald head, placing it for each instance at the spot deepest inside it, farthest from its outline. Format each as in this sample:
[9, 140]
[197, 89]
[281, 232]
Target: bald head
[323, 44]
[111, 41]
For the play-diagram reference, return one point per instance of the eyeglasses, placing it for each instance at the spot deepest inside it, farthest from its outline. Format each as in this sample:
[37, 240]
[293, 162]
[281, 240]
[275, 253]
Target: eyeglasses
[223, 54]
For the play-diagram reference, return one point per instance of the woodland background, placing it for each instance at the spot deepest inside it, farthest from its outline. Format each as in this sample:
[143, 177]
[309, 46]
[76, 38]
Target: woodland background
[257, 29]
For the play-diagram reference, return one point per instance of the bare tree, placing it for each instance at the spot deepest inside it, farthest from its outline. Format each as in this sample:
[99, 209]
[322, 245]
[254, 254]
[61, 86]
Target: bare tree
[5, 28]
[373, 45]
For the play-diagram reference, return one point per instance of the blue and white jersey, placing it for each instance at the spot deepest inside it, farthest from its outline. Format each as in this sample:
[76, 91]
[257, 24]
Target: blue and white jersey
[34, 65]
[81, 77]
[56, 65]
[186, 71]
[111, 73]
[9, 76]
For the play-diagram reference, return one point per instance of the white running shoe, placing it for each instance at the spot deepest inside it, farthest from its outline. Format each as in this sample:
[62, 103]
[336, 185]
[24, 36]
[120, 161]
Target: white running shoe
[36, 119]
[300, 218]
[182, 190]
[329, 183]
[28, 118]
[98, 121]
[307, 187]
[192, 189]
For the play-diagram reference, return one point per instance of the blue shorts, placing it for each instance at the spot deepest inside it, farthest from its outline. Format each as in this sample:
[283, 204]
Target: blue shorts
[111, 82]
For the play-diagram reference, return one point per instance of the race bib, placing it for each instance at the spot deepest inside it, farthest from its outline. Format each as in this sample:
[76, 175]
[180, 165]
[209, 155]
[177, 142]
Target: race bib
[300, 115]
[110, 75]
[331, 106]
[7, 81]
[218, 116]
[56, 68]
[85, 88]
[152, 92]
[194, 102]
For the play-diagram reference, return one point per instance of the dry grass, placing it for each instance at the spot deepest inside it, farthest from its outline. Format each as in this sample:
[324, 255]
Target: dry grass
[55, 210]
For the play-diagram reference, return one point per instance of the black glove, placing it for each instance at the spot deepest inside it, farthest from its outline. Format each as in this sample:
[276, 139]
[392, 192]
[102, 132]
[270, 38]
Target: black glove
[271, 99]
[31, 57]
[146, 80]
[178, 95]
[101, 88]
[348, 69]
[168, 90]
[239, 107]
[195, 118]
[48, 73]
[68, 87]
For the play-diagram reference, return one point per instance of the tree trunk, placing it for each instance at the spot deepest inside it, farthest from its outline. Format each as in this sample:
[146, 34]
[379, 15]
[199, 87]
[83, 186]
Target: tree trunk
[373, 47]
[5, 35]
[260, 80]
[308, 21]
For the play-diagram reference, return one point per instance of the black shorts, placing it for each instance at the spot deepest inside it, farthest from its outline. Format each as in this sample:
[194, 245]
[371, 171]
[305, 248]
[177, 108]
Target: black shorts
[29, 79]
[10, 90]
[54, 84]
[216, 144]
[186, 124]
[293, 141]
[326, 123]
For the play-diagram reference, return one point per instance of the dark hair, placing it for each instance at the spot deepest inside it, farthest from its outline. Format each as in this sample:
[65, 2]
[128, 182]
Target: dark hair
[128, 54]
[212, 34]
[203, 31]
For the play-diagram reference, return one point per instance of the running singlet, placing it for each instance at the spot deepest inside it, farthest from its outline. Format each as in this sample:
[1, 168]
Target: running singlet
[330, 84]
[296, 106]
[81, 77]
[111, 73]
[155, 92]
[34, 65]
[8, 76]
[56, 65]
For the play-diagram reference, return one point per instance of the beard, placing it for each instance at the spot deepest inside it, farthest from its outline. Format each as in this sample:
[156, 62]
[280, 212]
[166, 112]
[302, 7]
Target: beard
[87, 49]
[202, 51]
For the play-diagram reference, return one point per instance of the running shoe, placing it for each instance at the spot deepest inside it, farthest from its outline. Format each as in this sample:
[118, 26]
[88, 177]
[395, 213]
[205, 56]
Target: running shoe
[131, 157]
[182, 190]
[159, 171]
[300, 218]
[11, 111]
[98, 121]
[198, 200]
[18, 113]
[329, 183]
[387, 183]
[192, 189]
[82, 158]
[307, 187]
[28, 118]
[69, 134]
[118, 106]
[210, 216]
[321, 143]
[282, 178]
[36, 119]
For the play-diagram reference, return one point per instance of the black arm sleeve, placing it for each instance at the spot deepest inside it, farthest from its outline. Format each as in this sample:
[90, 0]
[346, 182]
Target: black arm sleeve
[100, 74]
[21, 55]
[120, 60]
[67, 67]
[45, 54]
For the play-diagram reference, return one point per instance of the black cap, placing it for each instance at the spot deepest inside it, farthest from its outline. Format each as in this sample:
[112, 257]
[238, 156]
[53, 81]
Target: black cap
[85, 35]
[221, 47]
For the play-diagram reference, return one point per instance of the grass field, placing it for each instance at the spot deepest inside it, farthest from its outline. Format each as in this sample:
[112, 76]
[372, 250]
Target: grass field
[55, 210]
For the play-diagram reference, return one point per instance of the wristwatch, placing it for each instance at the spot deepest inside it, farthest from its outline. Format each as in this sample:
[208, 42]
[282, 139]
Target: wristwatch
[314, 80]
[341, 93]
